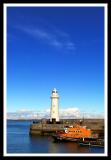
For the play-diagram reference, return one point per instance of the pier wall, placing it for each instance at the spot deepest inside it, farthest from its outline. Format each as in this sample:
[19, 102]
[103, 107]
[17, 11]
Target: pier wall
[96, 125]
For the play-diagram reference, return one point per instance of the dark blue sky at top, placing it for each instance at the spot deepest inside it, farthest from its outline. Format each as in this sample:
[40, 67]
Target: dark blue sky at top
[61, 47]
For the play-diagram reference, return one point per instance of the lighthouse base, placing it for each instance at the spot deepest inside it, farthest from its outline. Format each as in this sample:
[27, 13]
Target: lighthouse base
[54, 121]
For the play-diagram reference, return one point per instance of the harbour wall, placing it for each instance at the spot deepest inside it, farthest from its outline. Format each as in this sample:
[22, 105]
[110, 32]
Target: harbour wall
[44, 128]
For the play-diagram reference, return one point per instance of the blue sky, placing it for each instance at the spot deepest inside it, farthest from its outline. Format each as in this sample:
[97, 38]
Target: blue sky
[55, 47]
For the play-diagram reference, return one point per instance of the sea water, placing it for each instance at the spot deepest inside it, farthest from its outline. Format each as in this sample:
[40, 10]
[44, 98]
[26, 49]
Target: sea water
[19, 141]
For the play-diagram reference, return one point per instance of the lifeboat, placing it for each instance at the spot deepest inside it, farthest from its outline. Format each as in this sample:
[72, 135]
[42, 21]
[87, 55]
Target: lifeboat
[74, 133]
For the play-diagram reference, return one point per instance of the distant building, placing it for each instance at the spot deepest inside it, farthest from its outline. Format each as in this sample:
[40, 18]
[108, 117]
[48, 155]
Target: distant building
[54, 117]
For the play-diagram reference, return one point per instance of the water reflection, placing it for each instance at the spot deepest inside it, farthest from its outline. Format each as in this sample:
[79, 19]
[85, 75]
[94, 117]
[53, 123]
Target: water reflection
[53, 147]
[38, 144]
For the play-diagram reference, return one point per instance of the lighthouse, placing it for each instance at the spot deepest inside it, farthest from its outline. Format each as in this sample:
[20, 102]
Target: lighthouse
[54, 106]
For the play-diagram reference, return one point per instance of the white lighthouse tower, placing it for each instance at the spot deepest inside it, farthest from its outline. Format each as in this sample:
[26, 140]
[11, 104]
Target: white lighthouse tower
[54, 106]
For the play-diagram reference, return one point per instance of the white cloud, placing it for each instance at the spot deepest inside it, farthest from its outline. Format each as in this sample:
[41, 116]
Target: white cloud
[70, 45]
[55, 38]
[56, 43]
[69, 113]
[24, 110]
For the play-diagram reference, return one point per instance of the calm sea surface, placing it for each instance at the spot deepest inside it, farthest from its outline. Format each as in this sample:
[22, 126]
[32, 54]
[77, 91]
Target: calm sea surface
[19, 141]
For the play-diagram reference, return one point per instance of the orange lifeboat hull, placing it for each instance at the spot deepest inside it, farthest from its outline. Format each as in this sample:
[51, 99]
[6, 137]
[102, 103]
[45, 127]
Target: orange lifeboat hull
[73, 134]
